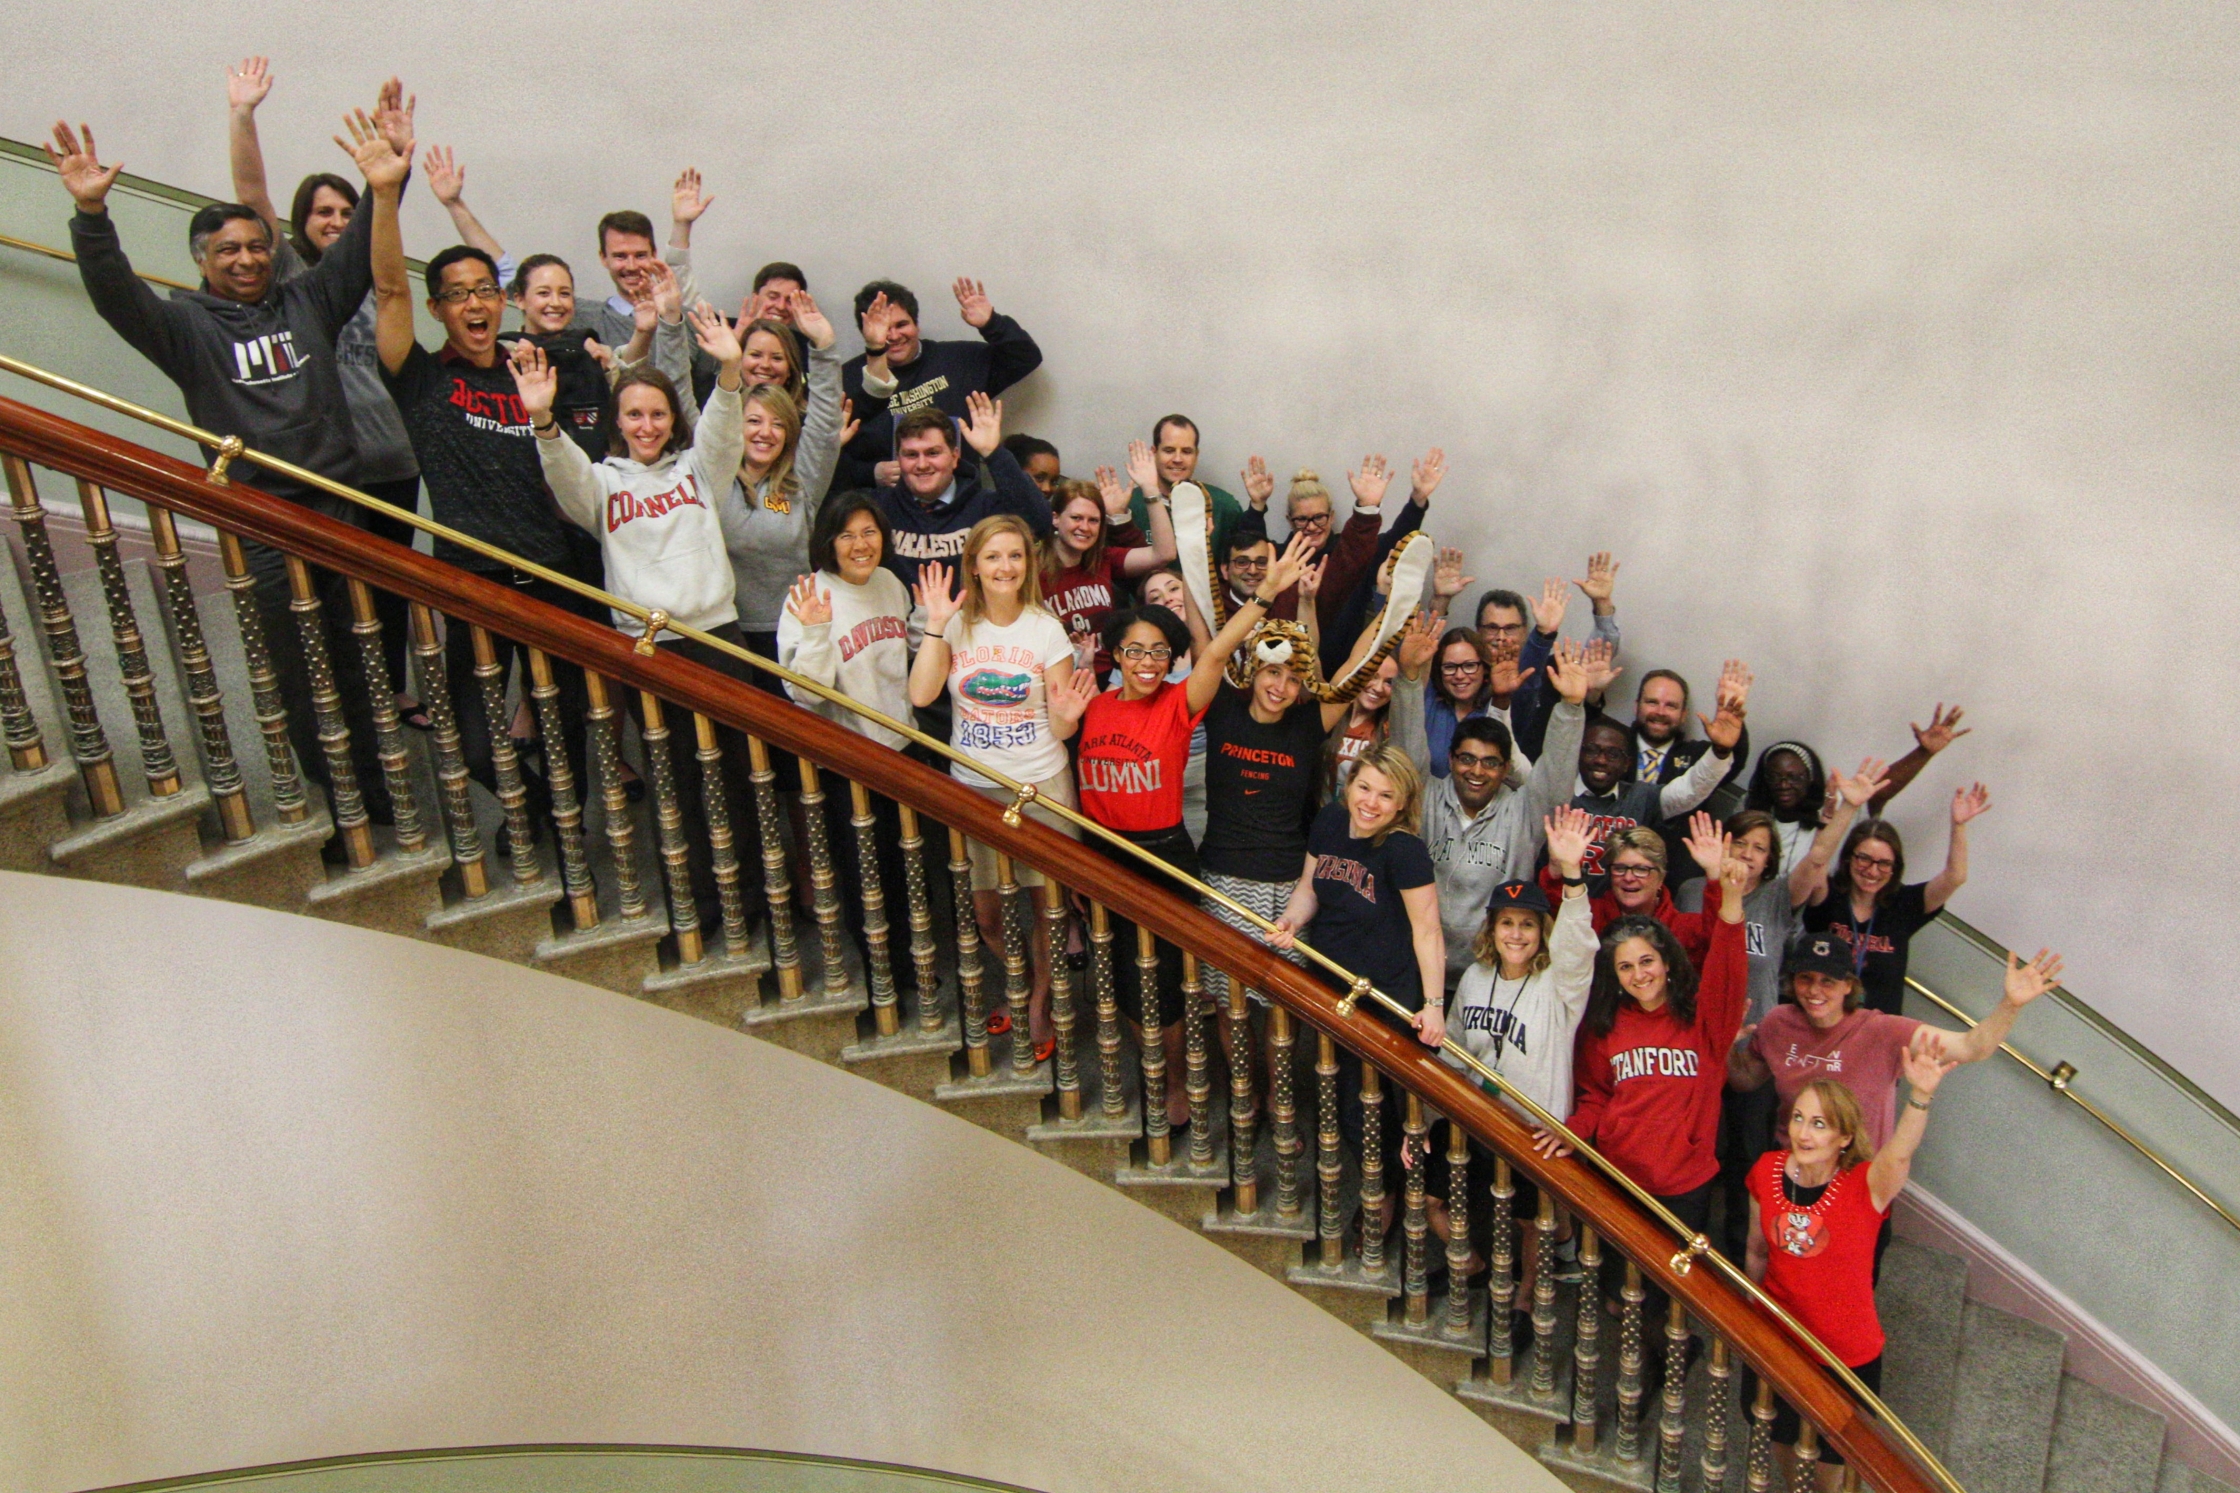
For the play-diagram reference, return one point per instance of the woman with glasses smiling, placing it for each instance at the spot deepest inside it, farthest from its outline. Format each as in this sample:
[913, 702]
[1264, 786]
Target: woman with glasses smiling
[1461, 689]
[1874, 913]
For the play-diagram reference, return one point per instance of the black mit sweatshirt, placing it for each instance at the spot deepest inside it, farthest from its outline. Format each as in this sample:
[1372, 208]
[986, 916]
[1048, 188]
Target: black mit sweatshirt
[264, 372]
[940, 377]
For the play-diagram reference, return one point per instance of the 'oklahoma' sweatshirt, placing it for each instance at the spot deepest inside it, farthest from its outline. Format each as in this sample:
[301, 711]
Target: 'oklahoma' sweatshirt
[1649, 1088]
[657, 524]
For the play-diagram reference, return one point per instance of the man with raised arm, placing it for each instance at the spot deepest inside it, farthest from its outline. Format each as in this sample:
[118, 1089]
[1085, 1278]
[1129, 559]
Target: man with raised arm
[1524, 689]
[934, 505]
[901, 373]
[1662, 754]
[1174, 443]
[1602, 789]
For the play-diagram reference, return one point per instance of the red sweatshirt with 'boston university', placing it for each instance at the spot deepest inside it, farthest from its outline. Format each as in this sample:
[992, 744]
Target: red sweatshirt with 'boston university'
[1649, 1089]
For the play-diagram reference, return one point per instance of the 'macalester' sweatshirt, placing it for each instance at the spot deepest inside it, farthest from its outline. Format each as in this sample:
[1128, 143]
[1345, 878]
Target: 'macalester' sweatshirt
[657, 524]
[1649, 1088]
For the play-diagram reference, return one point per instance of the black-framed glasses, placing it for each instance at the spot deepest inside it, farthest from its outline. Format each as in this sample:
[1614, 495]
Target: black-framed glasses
[1311, 521]
[1467, 666]
[1157, 653]
[1242, 563]
[1632, 873]
[1502, 629]
[1861, 858]
[1474, 760]
[460, 294]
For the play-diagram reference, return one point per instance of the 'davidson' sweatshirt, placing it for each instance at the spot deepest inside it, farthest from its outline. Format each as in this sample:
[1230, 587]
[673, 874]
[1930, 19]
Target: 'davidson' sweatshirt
[863, 652]
[1526, 1034]
[656, 524]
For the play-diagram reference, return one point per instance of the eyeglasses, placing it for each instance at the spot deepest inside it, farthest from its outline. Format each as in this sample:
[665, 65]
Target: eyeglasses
[1467, 666]
[1864, 861]
[1502, 629]
[1241, 563]
[460, 294]
[1310, 521]
[1157, 653]
[1632, 873]
[1474, 760]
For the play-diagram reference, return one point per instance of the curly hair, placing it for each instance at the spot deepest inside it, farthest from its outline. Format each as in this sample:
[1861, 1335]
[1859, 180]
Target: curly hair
[1605, 996]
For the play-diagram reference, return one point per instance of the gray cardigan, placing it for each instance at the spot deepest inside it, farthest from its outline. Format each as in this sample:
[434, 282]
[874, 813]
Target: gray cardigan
[769, 548]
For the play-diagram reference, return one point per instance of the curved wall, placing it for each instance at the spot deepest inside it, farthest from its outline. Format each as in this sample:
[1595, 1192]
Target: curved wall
[1889, 345]
[274, 1189]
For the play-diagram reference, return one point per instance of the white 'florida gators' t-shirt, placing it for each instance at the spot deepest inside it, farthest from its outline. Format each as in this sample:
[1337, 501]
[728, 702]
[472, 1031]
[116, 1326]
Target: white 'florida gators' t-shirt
[1001, 708]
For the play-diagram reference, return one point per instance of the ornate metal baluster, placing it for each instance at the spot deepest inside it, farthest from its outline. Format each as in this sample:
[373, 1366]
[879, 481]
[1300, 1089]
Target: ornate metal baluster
[972, 1001]
[1586, 1352]
[1113, 1102]
[27, 749]
[221, 772]
[505, 762]
[157, 762]
[1329, 1164]
[1672, 1423]
[560, 777]
[1802, 1478]
[1544, 1302]
[1720, 1376]
[350, 819]
[777, 881]
[288, 797]
[1157, 1133]
[388, 730]
[1629, 1366]
[1758, 1460]
[878, 966]
[605, 740]
[1458, 1232]
[1501, 1280]
[1415, 1220]
[1373, 1224]
[1197, 1080]
[824, 887]
[723, 849]
[89, 744]
[1283, 1104]
[1018, 962]
[1064, 1017]
[668, 828]
[1244, 1119]
[922, 949]
[451, 763]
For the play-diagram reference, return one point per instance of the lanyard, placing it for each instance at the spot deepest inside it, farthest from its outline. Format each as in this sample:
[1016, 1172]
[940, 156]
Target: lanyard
[1859, 940]
[1501, 1028]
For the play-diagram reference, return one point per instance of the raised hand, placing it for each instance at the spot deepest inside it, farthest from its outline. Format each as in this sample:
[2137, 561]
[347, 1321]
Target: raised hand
[1705, 844]
[1310, 581]
[446, 177]
[849, 424]
[600, 353]
[983, 423]
[1550, 605]
[1070, 701]
[247, 83]
[664, 292]
[534, 378]
[1447, 579]
[1925, 1062]
[1290, 568]
[1143, 468]
[1370, 482]
[1570, 831]
[1114, 494]
[1600, 660]
[644, 312]
[813, 324]
[1418, 642]
[2026, 982]
[1259, 486]
[83, 176]
[1567, 672]
[382, 165]
[392, 115]
[1968, 802]
[1735, 680]
[972, 302]
[877, 319]
[1602, 579]
[1724, 729]
[808, 604]
[1429, 470]
[1734, 876]
[936, 597]
[686, 201]
[1859, 789]
[709, 329]
[1940, 732]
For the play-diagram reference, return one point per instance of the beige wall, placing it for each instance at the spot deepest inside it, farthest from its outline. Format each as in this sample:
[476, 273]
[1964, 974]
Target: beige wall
[274, 1189]
[1890, 345]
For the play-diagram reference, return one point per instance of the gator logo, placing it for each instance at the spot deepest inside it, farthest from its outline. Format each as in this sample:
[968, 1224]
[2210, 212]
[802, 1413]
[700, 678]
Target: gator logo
[988, 688]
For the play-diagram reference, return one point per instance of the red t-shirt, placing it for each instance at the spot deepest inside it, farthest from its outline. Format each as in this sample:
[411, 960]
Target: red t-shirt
[1132, 756]
[1820, 1260]
[1865, 1052]
[1081, 597]
[1691, 929]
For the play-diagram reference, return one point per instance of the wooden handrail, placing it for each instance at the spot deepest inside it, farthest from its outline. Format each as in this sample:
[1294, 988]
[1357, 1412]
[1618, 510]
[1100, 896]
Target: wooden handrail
[79, 451]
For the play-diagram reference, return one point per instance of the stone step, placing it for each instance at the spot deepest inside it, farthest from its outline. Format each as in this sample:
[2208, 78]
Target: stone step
[2009, 1391]
[2179, 1478]
[2102, 1443]
[1920, 1302]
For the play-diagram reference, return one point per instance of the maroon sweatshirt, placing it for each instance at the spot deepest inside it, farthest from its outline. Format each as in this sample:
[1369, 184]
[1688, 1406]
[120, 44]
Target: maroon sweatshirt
[1649, 1089]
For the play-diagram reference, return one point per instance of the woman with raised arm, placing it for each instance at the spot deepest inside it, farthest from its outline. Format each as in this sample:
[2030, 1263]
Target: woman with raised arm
[1005, 663]
[1461, 687]
[1164, 588]
[1093, 554]
[1816, 1211]
[1135, 739]
[1874, 913]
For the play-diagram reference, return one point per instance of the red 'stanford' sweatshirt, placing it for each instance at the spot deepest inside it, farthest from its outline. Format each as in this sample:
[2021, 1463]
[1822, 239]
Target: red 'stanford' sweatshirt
[1649, 1089]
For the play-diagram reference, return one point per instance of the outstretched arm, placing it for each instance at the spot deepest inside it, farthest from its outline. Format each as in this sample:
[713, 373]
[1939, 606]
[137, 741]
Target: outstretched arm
[1213, 656]
[247, 83]
[2025, 983]
[448, 180]
[1808, 879]
[1886, 1175]
[1967, 803]
[1943, 730]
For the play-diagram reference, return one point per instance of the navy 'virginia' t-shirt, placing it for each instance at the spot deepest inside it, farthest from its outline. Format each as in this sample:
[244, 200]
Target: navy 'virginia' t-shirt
[1359, 919]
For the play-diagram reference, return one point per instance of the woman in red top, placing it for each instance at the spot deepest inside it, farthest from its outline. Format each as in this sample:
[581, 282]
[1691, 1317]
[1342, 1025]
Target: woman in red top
[1094, 555]
[1636, 858]
[1815, 1210]
[1134, 746]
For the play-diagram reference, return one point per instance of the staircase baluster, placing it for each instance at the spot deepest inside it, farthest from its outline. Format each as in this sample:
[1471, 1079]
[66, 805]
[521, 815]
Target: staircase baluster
[1197, 1070]
[1802, 1477]
[1064, 1014]
[560, 778]
[27, 748]
[505, 761]
[605, 740]
[1458, 1232]
[723, 847]
[668, 829]
[1719, 1374]
[1373, 1197]
[388, 730]
[89, 744]
[221, 771]
[1018, 962]
[824, 887]
[878, 966]
[157, 762]
[1415, 1218]
[1672, 1424]
[1283, 1103]
[1114, 1102]
[1544, 1302]
[1501, 1278]
[1629, 1366]
[972, 1000]
[288, 797]
[1586, 1351]
[1244, 1118]
[777, 881]
[451, 763]
[923, 951]
[1329, 1166]
[1152, 1050]
[1758, 1459]
[326, 709]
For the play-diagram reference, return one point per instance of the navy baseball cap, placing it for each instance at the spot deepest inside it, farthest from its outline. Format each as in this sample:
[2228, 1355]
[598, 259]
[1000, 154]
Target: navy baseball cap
[1524, 894]
[1821, 954]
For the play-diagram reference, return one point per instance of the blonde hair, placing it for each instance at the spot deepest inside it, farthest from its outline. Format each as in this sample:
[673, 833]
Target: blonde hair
[1840, 1107]
[1397, 766]
[1030, 583]
[1305, 484]
[1485, 951]
[1642, 841]
[780, 479]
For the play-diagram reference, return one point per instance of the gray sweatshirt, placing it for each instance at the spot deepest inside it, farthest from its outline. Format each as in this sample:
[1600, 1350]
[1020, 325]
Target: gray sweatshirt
[1472, 856]
[768, 537]
[1524, 1031]
[863, 652]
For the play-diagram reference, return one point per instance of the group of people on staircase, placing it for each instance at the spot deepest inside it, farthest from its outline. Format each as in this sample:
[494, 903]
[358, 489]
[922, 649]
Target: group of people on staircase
[1700, 975]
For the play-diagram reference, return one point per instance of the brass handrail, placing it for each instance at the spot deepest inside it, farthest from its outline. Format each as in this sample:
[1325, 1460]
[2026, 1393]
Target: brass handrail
[2058, 1078]
[9, 240]
[1694, 1245]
